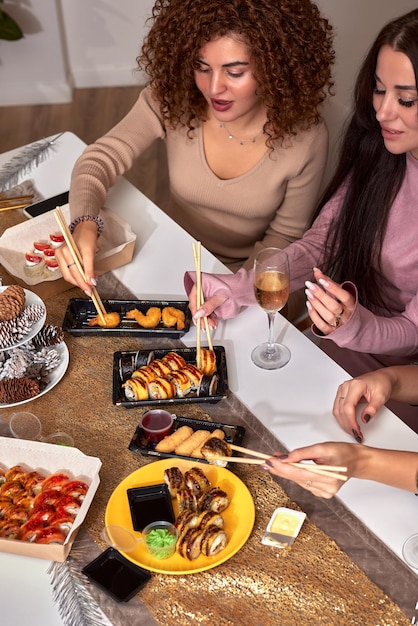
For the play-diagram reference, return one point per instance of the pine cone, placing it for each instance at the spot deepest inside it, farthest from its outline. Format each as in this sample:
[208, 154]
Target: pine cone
[12, 302]
[48, 336]
[18, 389]
[32, 313]
[6, 333]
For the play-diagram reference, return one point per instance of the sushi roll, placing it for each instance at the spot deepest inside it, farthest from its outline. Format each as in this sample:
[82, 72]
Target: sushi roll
[135, 389]
[161, 389]
[194, 374]
[181, 382]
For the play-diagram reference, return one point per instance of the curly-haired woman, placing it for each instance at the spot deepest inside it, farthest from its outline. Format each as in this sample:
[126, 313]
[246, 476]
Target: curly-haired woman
[235, 88]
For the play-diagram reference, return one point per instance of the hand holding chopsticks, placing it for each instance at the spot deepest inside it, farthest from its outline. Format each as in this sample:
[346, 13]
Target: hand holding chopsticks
[332, 471]
[75, 253]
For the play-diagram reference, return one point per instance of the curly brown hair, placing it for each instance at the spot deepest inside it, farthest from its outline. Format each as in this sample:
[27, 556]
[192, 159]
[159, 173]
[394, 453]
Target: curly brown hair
[290, 44]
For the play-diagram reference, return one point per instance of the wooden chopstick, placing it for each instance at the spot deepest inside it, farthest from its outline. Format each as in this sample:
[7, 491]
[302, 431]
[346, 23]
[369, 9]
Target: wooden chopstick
[236, 459]
[199, 301]
[196, 251]
[14, 200]
[69, 240]
[22, 205]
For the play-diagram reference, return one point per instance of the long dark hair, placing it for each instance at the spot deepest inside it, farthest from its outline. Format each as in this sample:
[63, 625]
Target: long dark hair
[372, 175]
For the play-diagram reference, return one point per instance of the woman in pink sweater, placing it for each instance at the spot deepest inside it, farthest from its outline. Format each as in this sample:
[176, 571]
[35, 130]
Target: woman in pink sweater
[234, 92]
[363, 302]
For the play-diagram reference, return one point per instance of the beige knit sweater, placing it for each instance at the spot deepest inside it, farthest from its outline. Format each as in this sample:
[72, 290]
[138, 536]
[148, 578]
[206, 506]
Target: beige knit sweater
[270, 205]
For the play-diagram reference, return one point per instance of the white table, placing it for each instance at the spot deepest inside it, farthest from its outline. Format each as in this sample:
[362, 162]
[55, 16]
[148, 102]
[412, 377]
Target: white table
[294, 403]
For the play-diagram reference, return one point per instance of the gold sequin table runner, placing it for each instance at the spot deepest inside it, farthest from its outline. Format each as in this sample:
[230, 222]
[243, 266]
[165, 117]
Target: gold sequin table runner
[315, 582]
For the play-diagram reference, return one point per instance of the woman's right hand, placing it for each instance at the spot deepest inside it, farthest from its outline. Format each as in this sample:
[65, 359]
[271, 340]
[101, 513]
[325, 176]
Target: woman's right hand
[207, 309]
[85, 237]
[374, 388]
[329, 453]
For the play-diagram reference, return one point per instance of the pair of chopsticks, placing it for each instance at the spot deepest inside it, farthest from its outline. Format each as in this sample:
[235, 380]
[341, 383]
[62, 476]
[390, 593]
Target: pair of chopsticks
[199, 301]
[15, 202]
[75, 253]
[332, 471]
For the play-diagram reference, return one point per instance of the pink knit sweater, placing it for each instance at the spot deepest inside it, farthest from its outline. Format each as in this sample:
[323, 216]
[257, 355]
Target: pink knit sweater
[392, 334]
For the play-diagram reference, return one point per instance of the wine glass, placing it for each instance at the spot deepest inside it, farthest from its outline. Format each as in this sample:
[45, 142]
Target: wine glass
[410, 551]
[271, 287]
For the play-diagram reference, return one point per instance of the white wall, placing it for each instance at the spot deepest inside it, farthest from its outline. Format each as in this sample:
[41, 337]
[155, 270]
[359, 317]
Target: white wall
[33, 70]
[103, 40]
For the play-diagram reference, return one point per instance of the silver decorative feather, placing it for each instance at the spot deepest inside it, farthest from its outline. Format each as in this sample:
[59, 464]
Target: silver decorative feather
[23, 162]
[76, 605]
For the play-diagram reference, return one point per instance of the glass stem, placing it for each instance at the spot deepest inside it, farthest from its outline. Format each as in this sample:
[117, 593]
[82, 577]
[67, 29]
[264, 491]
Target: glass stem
[270, 348]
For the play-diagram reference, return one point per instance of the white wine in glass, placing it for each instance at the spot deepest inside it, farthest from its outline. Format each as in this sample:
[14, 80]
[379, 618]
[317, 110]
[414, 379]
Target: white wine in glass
[271, 288]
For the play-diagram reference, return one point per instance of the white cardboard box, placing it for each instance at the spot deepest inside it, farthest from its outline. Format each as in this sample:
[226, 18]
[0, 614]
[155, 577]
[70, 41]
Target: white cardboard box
[115, 247]
[49, 458]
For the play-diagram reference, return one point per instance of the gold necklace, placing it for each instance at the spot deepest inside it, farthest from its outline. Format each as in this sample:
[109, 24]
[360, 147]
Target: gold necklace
[241, 141]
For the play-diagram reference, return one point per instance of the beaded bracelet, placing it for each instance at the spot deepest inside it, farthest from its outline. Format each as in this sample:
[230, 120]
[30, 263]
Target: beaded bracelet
[88, 218]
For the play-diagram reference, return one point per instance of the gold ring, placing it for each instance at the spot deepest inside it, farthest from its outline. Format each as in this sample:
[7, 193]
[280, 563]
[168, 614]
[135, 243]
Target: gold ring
[71, 264]
[308, 484]
[338, 315]
[336, 323]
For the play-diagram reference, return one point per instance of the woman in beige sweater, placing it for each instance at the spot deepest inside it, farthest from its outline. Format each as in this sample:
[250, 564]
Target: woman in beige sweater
[234, 92]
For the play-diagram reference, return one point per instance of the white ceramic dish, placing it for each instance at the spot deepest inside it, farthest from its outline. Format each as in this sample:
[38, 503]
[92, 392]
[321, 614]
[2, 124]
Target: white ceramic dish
[54, 376]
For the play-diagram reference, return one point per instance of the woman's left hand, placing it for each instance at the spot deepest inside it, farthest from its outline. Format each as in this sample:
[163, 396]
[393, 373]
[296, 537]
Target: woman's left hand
[329, 305]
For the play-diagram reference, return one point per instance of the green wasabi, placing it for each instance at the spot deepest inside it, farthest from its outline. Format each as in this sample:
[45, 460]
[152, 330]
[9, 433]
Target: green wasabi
[160, 538]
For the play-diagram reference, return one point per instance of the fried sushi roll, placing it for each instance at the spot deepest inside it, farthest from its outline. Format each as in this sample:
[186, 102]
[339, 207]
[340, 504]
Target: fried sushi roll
[161, 389]
[181, 382]
[197, 452]
[159, 367]
[135, 389]
[194, 374]
[214, 448]
[145, 373]
[209, 518]
[213, 540]
[174, 360]
[174, 479]
[188, 545]
[186, 501]
[215, 499]
[207, 361]
[197, 481]
[187, 519]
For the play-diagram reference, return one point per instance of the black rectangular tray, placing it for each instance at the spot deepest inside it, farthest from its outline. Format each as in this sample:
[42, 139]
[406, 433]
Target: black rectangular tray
[139, 443]
[81, 310]
[122, 371]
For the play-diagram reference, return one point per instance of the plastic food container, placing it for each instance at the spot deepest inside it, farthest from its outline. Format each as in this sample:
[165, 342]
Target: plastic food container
[160, 539]
[283, 527]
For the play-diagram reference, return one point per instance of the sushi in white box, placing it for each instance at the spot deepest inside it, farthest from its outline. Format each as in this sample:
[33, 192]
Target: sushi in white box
[49, 459]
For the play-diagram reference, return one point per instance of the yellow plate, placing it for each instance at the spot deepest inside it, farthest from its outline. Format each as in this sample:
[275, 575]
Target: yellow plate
[239, 516]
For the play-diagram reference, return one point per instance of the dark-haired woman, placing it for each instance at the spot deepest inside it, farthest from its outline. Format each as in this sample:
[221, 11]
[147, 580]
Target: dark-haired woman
[234, 91]
[364, 298]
